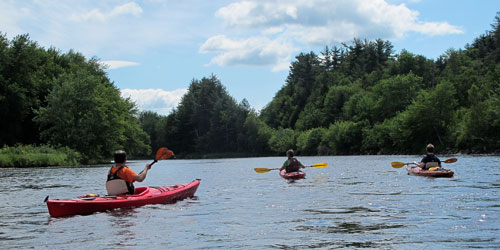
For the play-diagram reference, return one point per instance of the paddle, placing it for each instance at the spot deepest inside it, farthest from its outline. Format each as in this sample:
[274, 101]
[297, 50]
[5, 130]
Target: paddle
[265, 170]
[162, 154]
[398, 164]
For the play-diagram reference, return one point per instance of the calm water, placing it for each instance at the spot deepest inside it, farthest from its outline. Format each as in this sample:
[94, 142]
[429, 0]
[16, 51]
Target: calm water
[355, 202]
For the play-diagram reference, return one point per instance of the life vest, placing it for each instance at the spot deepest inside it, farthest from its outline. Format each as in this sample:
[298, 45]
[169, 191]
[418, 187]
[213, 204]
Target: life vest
[430, 161]
[293, 165]
[116, 185]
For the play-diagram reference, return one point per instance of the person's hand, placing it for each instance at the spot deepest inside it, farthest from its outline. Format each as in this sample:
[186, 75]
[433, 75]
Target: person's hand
[148, 166]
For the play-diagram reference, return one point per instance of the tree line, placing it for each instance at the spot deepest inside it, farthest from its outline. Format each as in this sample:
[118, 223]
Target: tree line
[63, 100]
[356, 98]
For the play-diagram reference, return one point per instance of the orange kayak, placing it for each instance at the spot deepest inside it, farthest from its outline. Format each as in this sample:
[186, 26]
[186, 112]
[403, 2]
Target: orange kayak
[430, 173]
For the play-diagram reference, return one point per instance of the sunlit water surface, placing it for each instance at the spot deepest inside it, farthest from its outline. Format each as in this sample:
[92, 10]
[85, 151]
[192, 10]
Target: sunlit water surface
[355, 202]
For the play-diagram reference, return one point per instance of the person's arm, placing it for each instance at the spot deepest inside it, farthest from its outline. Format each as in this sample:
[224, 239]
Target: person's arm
[140, 177]
[284, 165]
[421, 163]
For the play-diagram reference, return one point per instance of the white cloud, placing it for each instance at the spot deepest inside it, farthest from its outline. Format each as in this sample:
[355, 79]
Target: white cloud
[98, 28]
[9, 15]
[310, 23]
[113, 64]
[156, 100]
[357, 17]
[435, 28]
[255, 51]
[253, 13]
[254, 32]
[130, 8]
[273, 30]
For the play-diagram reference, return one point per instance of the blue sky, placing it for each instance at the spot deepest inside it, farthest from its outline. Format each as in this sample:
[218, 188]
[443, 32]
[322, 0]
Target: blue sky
[155, 48]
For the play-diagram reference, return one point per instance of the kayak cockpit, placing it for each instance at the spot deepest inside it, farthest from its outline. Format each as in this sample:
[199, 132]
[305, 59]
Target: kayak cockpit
[139, 191]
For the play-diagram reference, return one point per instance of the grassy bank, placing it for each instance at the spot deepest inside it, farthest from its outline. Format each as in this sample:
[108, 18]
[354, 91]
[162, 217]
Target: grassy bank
[37, 156]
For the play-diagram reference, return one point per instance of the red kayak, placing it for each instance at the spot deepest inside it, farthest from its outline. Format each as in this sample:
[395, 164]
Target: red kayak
[143, 195]
[430, 173]
[292, 175]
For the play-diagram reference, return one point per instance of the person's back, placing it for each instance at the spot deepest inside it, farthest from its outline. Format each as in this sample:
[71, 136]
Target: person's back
[291, 164]
[120, 178]
[120, 181]
[430, 159]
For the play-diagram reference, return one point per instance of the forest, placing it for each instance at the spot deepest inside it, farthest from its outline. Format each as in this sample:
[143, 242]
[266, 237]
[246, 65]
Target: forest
[65, 101]
[356, 98]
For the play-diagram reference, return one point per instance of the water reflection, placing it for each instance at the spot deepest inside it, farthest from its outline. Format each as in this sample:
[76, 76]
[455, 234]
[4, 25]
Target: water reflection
[349, 228]
[349, 210]
[35, 186]
[337, 243]
[123, 222]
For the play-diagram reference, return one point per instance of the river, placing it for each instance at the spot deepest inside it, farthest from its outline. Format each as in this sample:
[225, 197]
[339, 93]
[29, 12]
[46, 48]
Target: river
[355, 202]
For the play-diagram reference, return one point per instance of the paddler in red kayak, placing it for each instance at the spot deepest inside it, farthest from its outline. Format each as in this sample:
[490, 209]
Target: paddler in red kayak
[429, 160]
[121, 178]
[291, 164]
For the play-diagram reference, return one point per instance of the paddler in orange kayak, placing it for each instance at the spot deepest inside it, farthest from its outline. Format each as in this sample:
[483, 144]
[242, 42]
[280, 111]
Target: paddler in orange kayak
[429, 160]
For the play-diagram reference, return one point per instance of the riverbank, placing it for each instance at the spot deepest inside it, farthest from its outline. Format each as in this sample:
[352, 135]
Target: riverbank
[26, 156]
[23, 156]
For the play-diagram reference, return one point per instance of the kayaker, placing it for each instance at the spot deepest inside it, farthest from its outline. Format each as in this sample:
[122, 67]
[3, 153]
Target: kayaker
[291, 164]
[429, 160]
[121, 178]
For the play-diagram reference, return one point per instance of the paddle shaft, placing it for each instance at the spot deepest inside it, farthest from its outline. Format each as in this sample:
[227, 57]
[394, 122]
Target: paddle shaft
[397, 164]
[265, 170]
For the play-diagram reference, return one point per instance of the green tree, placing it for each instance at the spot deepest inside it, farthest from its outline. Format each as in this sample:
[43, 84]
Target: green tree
[363, 57]
[149, 121]
[381, 138]
[361, 106]
[395, 94]
[256, 134]
[310, 142]
[460, 70]
[207, 120]
[407, 63]
[479, 125]
[290, 101]
[281, 140]
[336, 98]
[86, 113]
[26, 73]
[344, 137]
[427, 119]
[169, 135]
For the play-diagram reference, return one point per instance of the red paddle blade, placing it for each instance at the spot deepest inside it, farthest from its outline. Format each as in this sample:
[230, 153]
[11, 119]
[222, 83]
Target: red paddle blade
[163, 154]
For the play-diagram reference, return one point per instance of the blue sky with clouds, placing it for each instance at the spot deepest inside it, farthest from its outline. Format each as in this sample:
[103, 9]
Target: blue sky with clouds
[155, 48]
